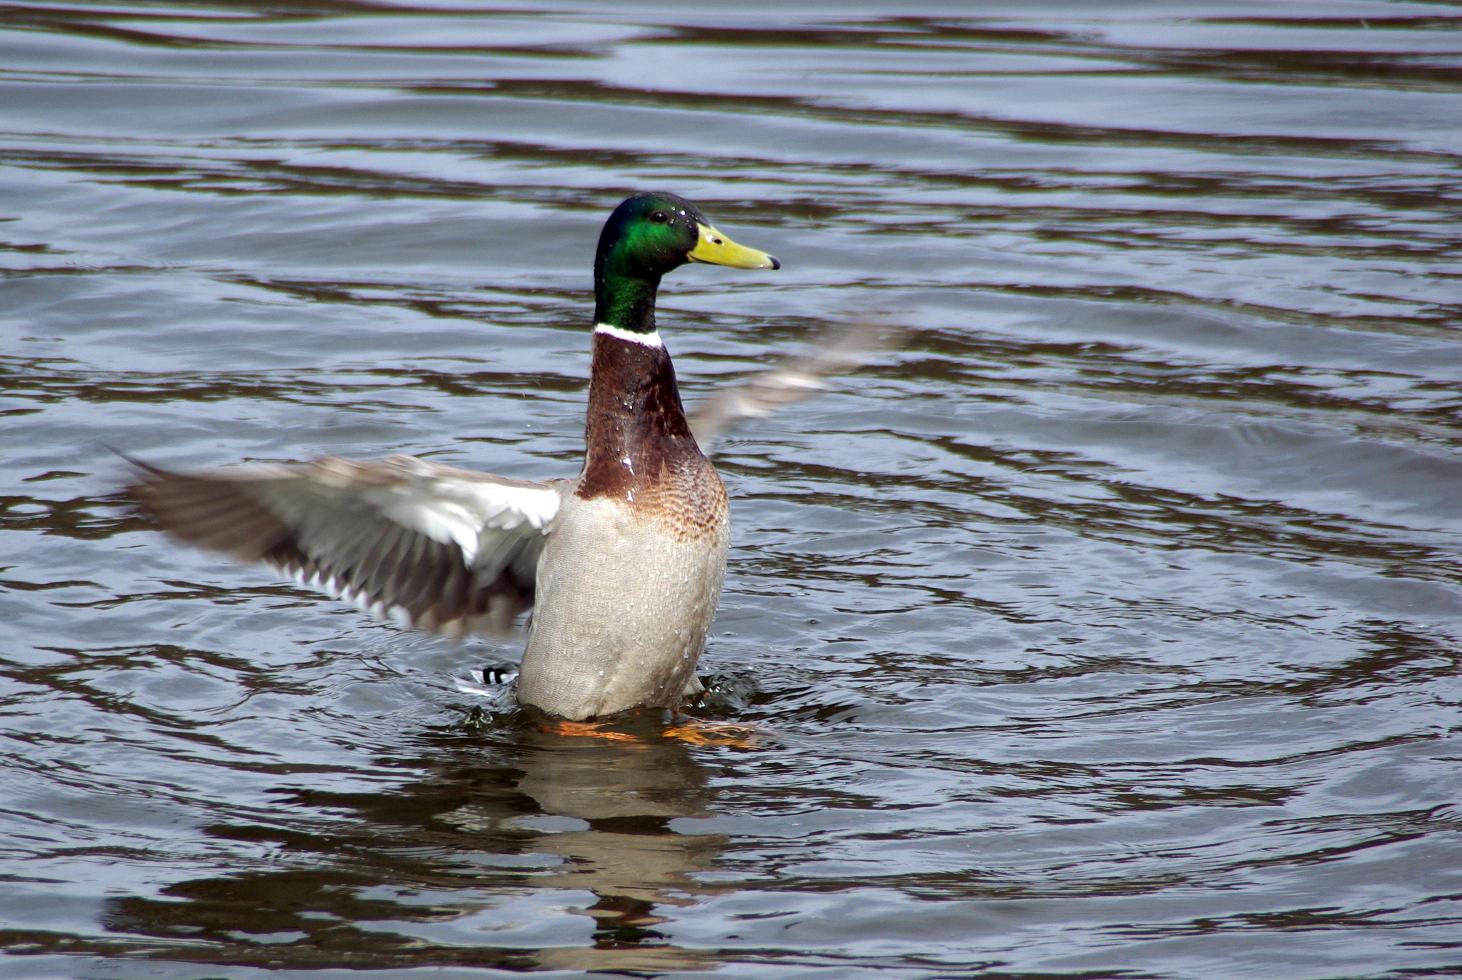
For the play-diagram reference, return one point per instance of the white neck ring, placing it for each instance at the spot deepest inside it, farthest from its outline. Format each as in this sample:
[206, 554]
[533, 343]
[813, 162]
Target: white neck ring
[651, 339]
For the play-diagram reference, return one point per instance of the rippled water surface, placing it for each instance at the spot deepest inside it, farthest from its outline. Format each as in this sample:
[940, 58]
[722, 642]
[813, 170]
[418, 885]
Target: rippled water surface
[1109, 625]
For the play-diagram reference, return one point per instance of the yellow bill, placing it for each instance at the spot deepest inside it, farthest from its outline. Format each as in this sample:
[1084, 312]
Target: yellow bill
[717, 249]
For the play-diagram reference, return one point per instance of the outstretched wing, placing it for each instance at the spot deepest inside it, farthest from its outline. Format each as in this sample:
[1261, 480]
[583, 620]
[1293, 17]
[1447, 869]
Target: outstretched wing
[444, 549]
[790, 381]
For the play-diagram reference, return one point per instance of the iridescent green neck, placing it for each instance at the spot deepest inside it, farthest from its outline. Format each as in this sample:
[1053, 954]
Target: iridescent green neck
[624, 299]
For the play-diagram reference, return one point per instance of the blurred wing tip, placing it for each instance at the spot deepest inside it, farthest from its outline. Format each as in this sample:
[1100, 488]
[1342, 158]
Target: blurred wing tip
[836, 350]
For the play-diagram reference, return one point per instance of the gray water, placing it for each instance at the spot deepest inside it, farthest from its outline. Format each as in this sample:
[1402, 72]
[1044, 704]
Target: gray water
[1108, 626]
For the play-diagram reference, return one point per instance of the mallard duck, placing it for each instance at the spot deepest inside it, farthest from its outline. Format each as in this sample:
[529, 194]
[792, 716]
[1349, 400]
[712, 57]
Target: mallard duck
[622, 564]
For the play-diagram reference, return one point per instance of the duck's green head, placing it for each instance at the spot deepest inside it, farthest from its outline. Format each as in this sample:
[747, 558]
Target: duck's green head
[647, 236]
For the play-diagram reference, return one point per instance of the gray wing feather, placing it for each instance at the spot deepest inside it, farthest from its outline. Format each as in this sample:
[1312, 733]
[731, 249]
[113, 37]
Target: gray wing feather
[443, 549]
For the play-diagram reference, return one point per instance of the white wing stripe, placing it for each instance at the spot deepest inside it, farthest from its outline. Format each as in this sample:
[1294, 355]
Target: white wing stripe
[444, 521]
[458, 513]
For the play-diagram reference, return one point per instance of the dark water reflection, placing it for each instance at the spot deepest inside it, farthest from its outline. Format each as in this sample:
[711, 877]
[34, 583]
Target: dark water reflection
[1110, 626]
[453, 859]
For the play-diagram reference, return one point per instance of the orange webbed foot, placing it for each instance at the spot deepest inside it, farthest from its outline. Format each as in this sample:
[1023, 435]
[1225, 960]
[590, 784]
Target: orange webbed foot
[695, 732]
[585, 729]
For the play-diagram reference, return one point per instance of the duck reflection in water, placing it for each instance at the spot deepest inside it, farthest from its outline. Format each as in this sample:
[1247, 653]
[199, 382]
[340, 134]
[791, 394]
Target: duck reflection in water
[438, 870]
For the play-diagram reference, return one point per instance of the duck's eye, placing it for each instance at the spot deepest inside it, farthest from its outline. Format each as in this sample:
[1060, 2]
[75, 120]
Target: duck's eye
[659, 217]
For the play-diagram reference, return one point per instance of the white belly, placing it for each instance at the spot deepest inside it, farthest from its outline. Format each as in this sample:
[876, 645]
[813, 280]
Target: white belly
[622, 610]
